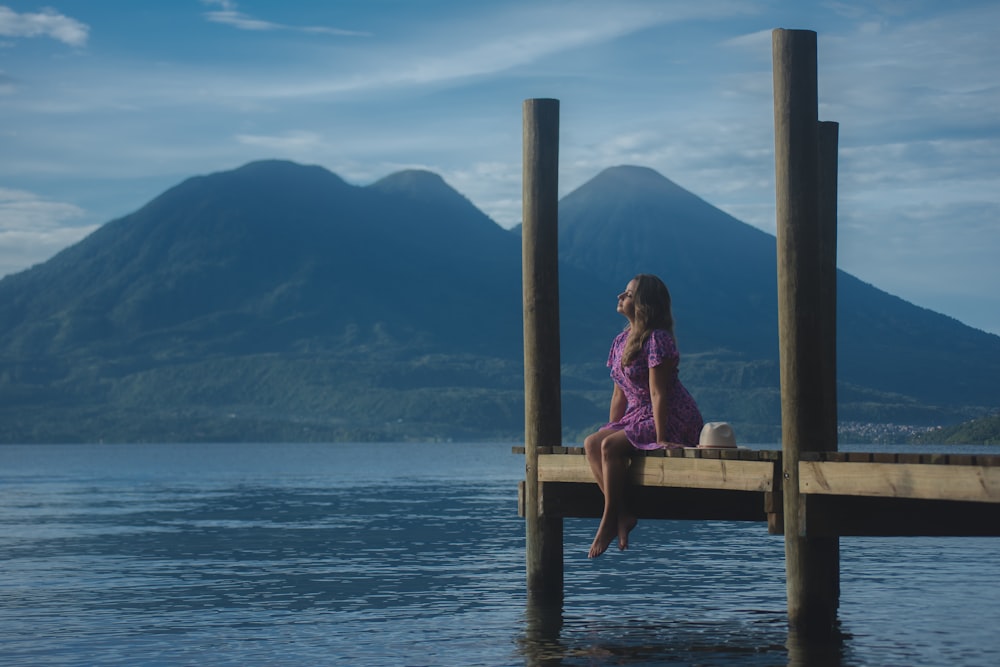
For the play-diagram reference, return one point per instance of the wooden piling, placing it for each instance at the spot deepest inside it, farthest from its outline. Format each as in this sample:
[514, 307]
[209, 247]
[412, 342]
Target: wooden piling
[828, 139]
[812, 564]
[540, 282]
[824, 552]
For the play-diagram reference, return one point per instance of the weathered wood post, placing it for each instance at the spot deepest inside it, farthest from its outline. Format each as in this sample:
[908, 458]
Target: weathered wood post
[826, 550]
[828, 140]
[812, 565]
[540, 281]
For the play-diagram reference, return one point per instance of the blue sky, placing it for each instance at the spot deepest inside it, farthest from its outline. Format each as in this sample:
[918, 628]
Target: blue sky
[104, 104]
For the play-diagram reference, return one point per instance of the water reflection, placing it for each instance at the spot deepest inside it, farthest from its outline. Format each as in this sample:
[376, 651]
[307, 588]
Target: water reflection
[550, 639]
[541, 644]
[553, 635]
[806, 652]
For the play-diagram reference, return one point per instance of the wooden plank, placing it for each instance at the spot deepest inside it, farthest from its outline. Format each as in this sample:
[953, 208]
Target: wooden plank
[553, 468]
[741, 453]
[901, 480]
[732, 475]
[746, 454]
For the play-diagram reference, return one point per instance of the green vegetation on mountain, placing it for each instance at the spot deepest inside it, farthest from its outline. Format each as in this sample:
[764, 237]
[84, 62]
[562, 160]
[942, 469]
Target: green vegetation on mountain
[277, 302]
[982, 431]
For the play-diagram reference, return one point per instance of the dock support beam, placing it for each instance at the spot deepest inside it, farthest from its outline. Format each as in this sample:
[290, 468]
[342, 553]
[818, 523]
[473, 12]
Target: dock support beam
[806, 325]
[540, 282]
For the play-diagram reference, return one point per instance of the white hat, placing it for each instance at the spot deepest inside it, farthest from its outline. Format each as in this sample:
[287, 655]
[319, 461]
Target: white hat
[717, 435]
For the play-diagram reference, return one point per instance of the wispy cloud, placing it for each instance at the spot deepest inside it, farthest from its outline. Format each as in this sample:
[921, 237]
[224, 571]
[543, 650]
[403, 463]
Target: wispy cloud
[470, 48]
[33, 229]
[46, 23]
[20, 209]
[228, 14]
[6, 83]
[480, 45]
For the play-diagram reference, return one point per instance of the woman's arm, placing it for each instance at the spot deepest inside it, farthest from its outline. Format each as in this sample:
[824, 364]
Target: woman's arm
[618, 405]
[660, 382]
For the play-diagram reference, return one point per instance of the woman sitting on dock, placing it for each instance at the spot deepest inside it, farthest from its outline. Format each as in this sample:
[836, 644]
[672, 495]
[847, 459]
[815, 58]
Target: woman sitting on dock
[650, 408]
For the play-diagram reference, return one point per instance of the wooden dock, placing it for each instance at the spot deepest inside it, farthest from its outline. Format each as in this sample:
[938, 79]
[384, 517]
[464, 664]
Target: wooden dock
[808, 491]
[844, 493]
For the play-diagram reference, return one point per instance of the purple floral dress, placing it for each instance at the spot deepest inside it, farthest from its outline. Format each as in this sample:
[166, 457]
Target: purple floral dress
[685, 421]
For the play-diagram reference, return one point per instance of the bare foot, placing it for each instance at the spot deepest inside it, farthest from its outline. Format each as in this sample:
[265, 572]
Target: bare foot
[626, 522]
[601, 541]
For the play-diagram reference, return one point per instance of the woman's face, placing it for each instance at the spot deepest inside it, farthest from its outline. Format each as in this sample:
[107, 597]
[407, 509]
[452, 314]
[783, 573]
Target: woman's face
[626, 301]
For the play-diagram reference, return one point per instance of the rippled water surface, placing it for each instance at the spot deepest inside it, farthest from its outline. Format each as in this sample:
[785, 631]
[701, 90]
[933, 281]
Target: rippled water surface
[414, 555]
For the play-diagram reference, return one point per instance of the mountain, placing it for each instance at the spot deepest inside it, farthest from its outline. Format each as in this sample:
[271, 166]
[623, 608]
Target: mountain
[278, 302]
[896, 361]
[721, 272]
[274, 301]
[264, 257]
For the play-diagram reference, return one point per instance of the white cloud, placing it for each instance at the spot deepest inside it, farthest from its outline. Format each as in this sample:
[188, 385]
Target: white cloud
[229, 15]
[465, 48]
[290, 143]
[46, 23]
[494, 187]
[7, 85]
[21, 210]
[33, 229]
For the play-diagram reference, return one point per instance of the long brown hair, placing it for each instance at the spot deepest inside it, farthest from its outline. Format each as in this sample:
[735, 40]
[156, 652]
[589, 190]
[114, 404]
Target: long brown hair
[652, 311]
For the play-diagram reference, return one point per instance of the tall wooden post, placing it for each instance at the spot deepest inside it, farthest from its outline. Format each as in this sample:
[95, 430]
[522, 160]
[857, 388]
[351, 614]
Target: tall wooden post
[828, 140]
[825, 551]
[540, 279]
[812, 565]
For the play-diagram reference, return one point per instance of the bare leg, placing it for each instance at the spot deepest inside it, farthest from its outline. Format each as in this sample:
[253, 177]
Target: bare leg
[616, 520]
[592, 448]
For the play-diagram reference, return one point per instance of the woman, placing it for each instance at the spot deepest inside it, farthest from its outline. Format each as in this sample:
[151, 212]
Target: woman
[650, 408]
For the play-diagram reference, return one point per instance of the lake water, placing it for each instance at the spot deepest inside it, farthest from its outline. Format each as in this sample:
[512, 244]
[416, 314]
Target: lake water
[413, 554]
